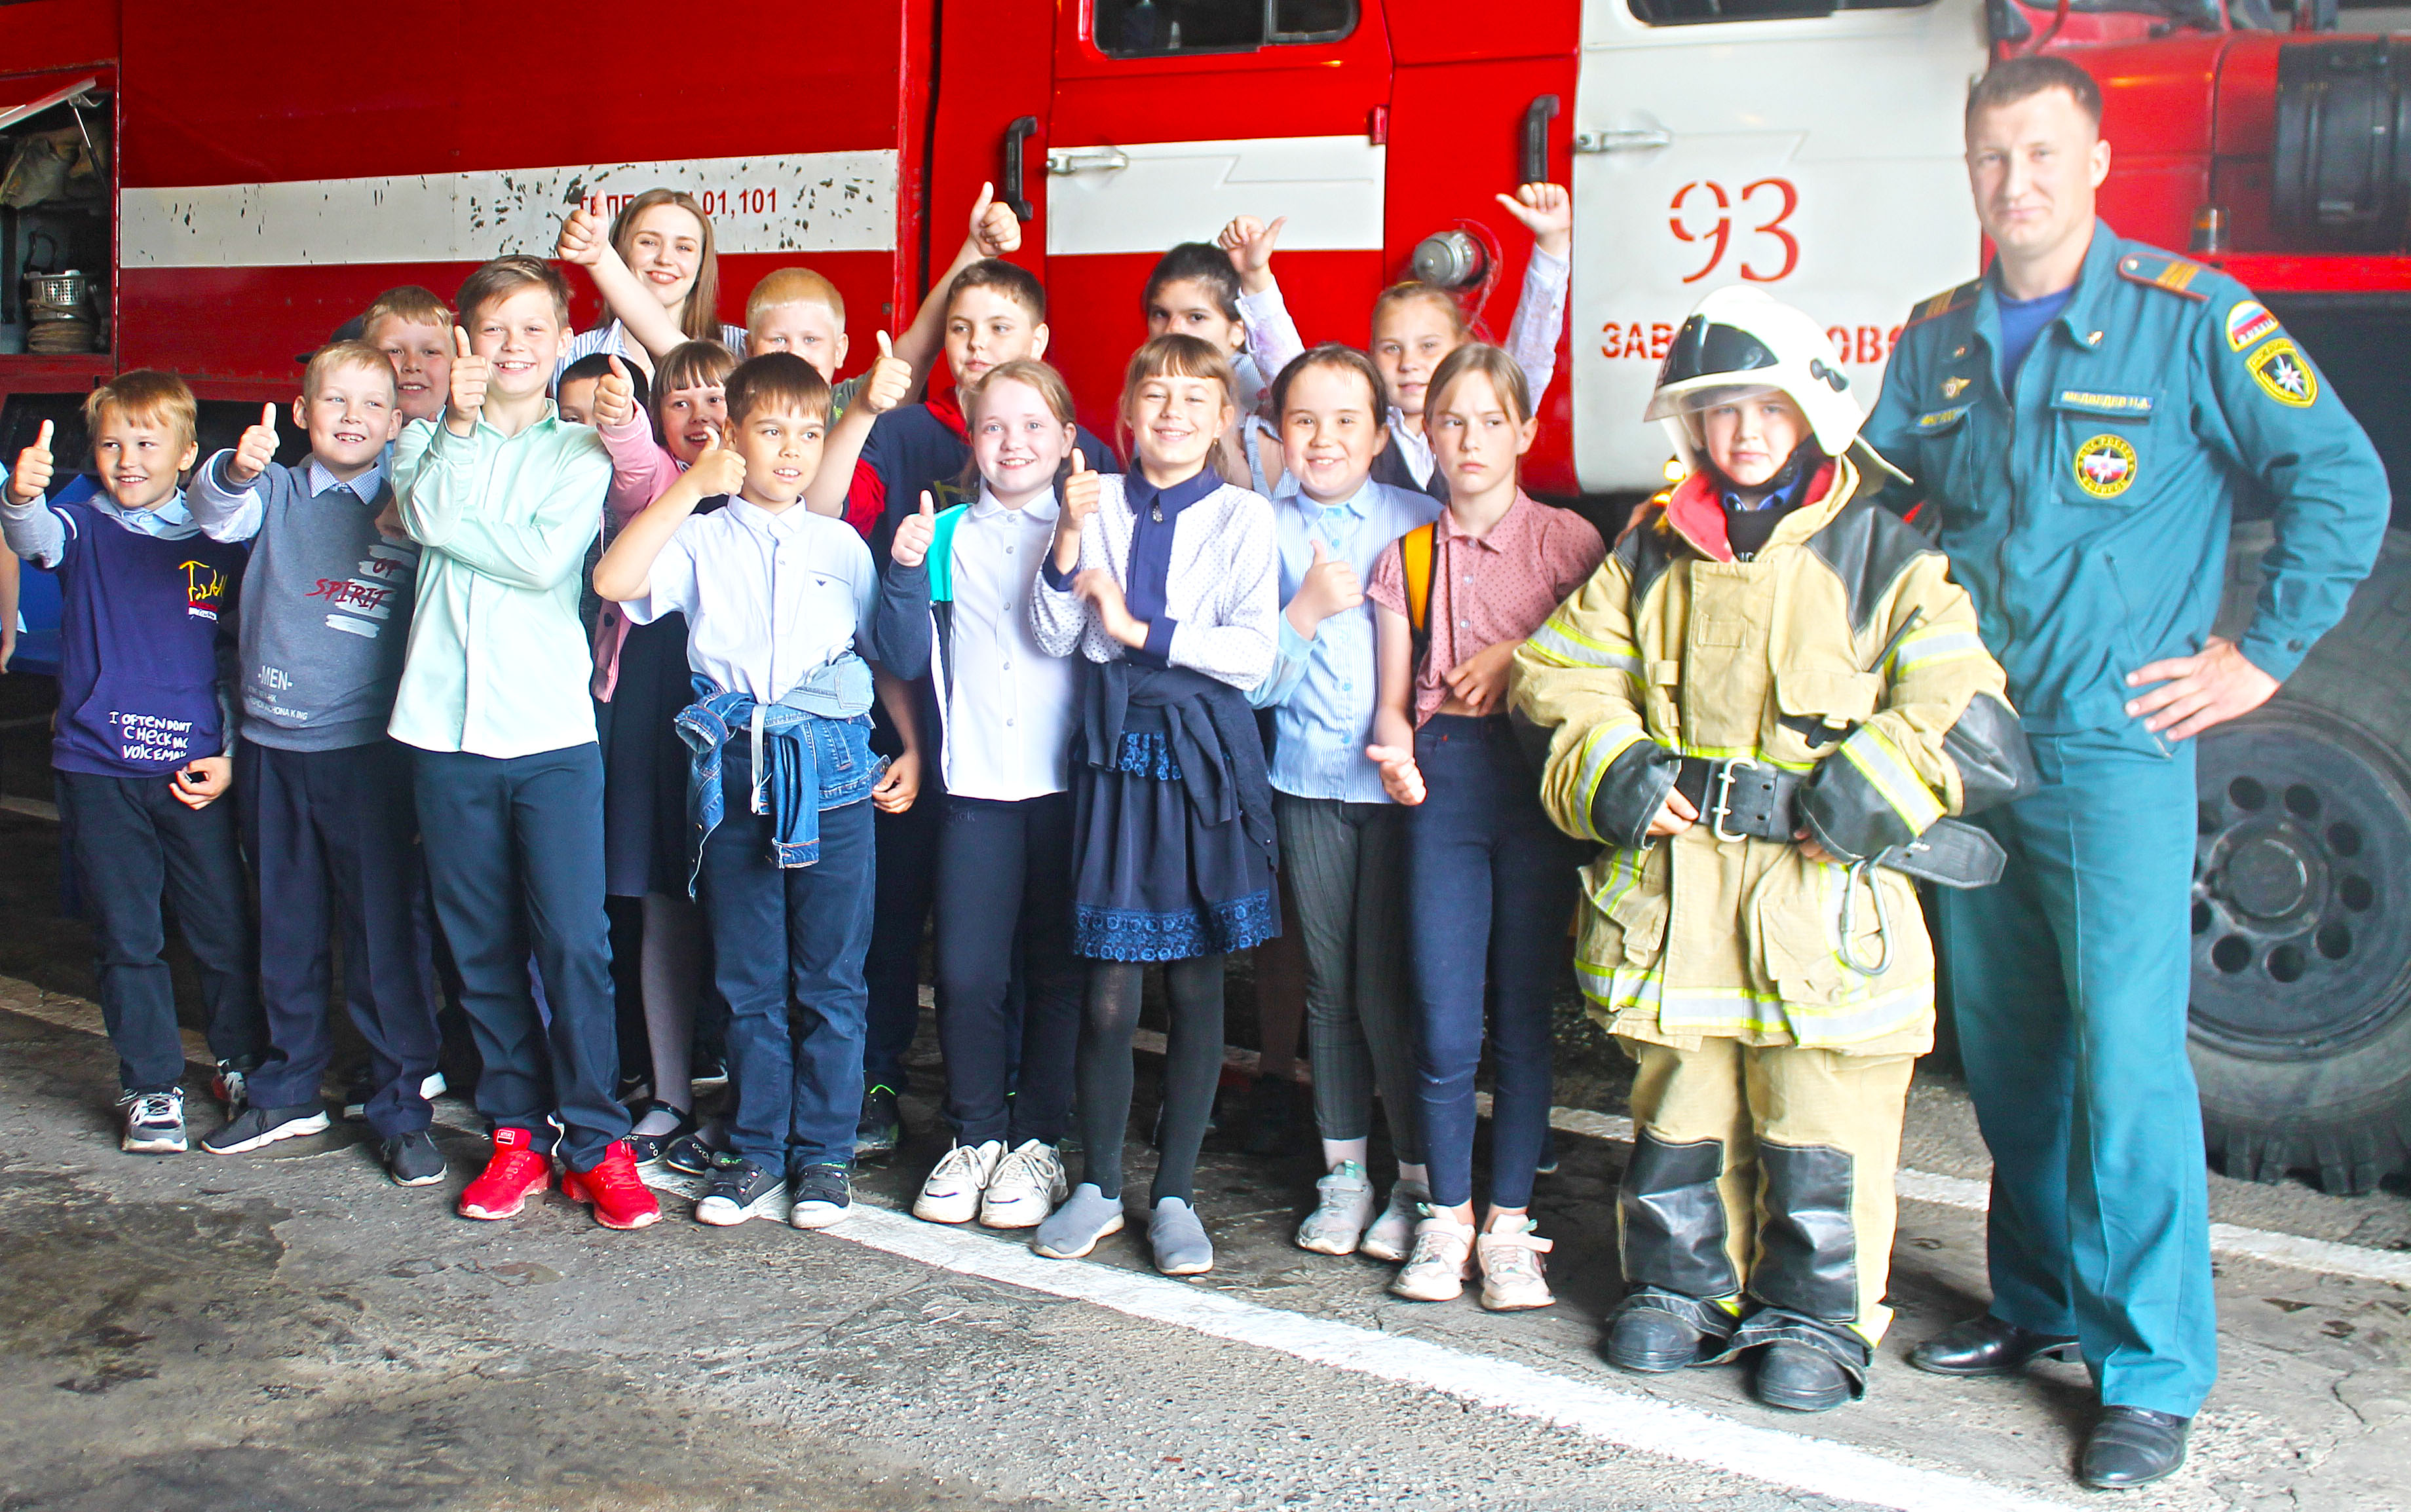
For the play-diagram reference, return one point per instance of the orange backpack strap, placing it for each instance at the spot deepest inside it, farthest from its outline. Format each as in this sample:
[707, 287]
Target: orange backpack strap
[1416, 555]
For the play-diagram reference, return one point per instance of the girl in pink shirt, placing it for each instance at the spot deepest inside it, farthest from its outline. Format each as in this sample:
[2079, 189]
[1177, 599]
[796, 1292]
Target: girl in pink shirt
[1490, 880]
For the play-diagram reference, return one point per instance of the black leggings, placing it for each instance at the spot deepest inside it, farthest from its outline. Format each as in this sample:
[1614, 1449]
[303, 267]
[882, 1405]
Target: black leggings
[1193, 1067]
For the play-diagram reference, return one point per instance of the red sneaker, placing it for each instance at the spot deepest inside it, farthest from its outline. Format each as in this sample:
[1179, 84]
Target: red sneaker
[621, 1197]
[513, 1175]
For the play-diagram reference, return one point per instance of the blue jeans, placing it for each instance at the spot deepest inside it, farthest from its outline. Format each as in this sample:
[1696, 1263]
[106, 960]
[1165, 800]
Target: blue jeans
[787, 948]
[2068, 981]
[1490, 891]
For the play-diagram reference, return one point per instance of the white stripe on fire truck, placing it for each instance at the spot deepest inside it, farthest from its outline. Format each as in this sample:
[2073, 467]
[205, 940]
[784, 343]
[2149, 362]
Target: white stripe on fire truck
[808, 202]
[1143, 196]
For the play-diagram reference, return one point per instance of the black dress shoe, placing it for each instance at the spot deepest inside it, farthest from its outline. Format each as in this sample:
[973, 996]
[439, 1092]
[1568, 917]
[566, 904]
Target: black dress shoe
[1987, 1347]
[2133, 1446]
[1652, 1342]
[1797, 1378]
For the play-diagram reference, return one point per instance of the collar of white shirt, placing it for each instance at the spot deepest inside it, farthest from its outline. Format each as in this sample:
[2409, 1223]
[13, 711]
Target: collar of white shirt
[1358, 504]
[789, 522]
[364, 485]
[988, 507]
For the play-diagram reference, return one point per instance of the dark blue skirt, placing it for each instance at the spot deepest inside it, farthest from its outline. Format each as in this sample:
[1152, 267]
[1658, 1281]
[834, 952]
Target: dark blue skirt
[1154, 882]
[644, 763]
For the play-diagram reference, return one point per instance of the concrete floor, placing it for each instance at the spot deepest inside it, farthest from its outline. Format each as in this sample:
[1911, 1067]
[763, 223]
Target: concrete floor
[287, 1330]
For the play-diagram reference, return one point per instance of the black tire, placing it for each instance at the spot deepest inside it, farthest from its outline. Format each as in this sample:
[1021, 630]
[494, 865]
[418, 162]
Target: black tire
[2301, 1011]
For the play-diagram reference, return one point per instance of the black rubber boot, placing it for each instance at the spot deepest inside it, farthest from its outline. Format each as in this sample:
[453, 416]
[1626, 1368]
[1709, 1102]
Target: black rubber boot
[1799, 1378]
[1655, 1331]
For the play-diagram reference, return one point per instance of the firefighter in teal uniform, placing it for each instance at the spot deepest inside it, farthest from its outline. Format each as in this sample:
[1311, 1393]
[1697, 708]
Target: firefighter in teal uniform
[2080, 422]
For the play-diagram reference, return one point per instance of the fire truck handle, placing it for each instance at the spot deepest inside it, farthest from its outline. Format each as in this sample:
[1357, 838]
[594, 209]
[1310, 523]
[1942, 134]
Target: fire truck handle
[1016, 136]
[1537, 117]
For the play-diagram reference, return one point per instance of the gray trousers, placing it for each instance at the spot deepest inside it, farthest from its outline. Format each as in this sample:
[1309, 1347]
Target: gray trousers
[1345, 868]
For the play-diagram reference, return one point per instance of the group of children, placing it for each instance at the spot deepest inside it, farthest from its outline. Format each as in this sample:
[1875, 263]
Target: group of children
[851, 658]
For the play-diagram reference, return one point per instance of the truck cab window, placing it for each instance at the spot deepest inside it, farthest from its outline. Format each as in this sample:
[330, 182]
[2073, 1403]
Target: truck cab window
[1155, 28]
[55, 236]
[1696, 12]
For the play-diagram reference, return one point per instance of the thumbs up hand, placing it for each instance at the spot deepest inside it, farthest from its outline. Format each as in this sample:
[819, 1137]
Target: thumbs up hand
[1251, 241]
[995, 229]
[254, 451]
[1079, 502]
[469, 375]
[32, 479]
[912, 544]
[615, 397]
[719, 468]
[1329, 586]
[890, 379]
[582, 239]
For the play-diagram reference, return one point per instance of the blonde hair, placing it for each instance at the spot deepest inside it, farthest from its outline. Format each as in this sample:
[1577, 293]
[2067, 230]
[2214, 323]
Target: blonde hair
[505, 276]
[793, 286]
[1414, 288]
[701, 316]
[1506, 378]
[336, 355]
[410, 304]
[1177, 355]
[146, 396]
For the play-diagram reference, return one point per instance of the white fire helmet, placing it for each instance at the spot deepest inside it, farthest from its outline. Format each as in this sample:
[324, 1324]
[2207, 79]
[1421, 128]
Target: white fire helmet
[1740, 342]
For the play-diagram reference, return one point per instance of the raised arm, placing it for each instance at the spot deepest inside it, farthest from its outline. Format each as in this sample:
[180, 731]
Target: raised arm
[995, 232]
[225, 498]
[32, 529]
[890, 383]
[1548, 211]
[625, 572]
[584, 241]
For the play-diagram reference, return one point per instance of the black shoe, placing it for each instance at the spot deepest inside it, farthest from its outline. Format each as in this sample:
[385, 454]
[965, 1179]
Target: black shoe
[1652, 1342]
[2133, 1446]
[689, 1155]
[881, 1127]
[1987, 1347]
[258, 1128]
[647, 1148]
[1797, 1378]
[823, 1193]
[739, 1190]
[412, 1159]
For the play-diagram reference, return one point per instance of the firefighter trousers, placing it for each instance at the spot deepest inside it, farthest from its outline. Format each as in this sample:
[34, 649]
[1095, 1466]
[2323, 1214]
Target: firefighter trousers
[1766, 1170]
[2068, 982]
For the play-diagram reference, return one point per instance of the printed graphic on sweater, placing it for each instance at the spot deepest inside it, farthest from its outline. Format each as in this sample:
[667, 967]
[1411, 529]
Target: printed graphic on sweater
[364, 601]
[147, 738]
[204, 589]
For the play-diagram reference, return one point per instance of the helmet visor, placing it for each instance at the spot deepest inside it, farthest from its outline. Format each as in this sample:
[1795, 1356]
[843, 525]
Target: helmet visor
[1704, 349]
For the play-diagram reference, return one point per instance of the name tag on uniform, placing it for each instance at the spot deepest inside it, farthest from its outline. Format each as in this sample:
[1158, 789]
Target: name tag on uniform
[1934, 422]
[2094, 402]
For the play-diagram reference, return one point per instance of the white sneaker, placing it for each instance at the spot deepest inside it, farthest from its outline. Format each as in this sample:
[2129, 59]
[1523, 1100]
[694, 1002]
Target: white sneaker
[1343, 1205]
[1028, 1185]
[1443, 1258]
[952, 1193]
[1511, 1268]
[1392, 1234]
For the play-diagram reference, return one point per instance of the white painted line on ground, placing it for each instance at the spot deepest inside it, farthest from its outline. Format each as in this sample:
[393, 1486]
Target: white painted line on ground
[1597, 1411]
[2226, 1239]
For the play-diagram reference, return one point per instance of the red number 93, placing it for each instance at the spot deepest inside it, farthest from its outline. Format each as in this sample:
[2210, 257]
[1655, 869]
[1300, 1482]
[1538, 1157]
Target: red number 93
[1720, 234]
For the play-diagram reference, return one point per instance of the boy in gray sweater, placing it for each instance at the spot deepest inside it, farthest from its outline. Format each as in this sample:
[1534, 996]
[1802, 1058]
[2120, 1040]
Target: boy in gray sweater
[326, 795]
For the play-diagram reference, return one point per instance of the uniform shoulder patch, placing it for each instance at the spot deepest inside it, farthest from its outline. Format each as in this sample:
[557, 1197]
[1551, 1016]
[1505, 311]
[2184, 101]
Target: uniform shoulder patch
[2248, 322]
[2284, 374]
[1944, 303]
[2162, 271]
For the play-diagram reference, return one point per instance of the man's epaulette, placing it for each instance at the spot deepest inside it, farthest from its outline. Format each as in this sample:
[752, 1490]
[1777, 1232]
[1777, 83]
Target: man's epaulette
[1945, 302]
[2161, 270]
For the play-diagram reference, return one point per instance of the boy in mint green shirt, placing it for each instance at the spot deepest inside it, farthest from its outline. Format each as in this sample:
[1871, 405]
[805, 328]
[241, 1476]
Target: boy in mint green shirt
[505, 497]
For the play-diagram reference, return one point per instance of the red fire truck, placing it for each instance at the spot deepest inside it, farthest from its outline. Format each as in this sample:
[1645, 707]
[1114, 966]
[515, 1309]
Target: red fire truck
[231, 183]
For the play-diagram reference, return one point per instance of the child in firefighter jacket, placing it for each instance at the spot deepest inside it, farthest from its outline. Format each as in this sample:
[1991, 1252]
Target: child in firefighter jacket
[1757, 705]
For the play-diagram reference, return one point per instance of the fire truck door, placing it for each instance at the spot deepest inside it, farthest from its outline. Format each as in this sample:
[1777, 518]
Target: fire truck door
[1170, 119]
[1719, 141]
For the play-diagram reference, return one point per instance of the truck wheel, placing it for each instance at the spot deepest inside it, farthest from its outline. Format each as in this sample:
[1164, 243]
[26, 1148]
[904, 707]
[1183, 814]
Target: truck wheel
[2300, 1011]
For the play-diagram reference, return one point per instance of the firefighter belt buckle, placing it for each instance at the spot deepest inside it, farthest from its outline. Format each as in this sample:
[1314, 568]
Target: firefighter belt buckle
[1722, 809]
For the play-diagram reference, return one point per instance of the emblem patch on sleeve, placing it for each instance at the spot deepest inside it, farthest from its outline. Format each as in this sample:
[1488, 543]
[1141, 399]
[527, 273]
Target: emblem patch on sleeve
[2247, 323]
[2105, 466]
[2283, 374]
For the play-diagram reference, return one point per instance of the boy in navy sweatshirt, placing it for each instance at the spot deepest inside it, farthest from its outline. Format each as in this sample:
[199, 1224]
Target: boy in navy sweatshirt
[144, 737]
[996, 311]
[326, 795]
